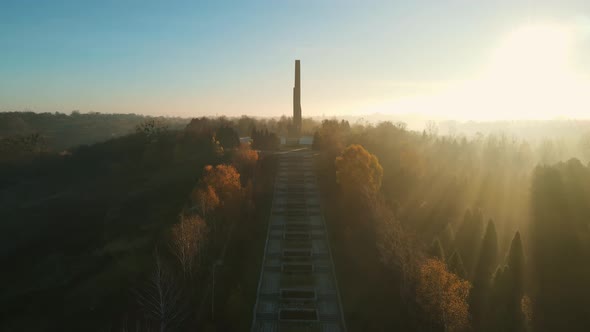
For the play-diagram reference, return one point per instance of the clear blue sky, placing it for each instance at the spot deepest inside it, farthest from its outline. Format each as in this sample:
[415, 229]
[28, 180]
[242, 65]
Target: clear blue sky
[194, 58]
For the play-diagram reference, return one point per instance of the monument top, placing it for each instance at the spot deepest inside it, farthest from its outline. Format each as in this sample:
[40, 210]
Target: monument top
[297, 99]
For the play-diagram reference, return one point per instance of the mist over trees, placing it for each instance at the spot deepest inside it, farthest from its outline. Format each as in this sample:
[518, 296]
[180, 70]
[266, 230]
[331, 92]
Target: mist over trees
[431, 230]
[443, 296]
[500, 213]
[28, 134]
[560, 250]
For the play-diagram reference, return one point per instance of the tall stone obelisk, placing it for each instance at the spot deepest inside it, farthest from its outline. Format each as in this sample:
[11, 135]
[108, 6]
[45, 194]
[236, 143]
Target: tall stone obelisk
[297, 100]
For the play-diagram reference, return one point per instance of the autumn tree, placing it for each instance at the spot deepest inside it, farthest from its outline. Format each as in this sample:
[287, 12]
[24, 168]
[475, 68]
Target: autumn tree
[205, 200]
[225, 181]
[359, 174]
[526, 307]
[245, 160]
[443, 296]
[187, 242]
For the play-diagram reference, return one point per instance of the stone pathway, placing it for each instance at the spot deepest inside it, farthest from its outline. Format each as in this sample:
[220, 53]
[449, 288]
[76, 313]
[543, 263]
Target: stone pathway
[297, 290]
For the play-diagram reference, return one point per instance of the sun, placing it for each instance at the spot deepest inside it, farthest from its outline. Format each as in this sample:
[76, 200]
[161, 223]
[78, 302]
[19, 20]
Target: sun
[533, 52]
[530, 74]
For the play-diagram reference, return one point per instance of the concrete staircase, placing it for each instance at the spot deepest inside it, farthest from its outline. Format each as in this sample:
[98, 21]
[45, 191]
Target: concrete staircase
[297, 289]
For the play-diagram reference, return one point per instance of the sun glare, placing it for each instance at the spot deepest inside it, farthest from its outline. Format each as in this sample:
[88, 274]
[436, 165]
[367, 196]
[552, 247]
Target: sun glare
[528, 76]
[533, 52]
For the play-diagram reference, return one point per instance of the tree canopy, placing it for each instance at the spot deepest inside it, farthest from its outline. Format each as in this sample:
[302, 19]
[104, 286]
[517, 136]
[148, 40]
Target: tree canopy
[443, 295]
[359, 173]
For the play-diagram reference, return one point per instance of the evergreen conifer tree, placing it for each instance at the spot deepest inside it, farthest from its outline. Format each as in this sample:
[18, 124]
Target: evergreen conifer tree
[468, 239]
[515, 280]
[456, 265]
[447, 239]
[436, 250]
[479, 301]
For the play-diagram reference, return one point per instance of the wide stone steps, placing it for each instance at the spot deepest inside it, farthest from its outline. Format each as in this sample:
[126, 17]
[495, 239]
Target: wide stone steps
[297, 290]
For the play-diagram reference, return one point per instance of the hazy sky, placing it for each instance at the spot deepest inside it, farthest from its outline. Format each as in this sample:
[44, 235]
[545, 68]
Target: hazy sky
[194, 58]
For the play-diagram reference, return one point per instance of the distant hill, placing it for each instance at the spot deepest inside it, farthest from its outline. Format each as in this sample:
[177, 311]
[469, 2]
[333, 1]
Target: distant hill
[62, 131]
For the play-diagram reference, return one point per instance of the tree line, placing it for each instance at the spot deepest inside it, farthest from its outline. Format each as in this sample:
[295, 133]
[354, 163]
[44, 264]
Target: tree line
[133, 222]
[470, 230]
[29, 134]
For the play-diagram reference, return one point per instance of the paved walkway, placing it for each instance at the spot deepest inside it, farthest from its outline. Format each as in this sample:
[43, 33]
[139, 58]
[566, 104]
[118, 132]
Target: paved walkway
[297, 290]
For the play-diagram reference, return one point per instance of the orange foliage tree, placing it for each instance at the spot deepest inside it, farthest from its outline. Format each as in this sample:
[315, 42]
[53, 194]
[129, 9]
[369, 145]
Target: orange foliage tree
[526, 306]
[226, 184]
[246, 156]
[359, 173]
[443, 296]
[245, 160]
[205, 199]
[225, 181]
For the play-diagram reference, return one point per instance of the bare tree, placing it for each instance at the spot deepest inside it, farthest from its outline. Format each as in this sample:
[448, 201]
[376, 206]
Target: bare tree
[401, 125]
[431, 128]
[152, 128]
[187, 243]
[162, 299]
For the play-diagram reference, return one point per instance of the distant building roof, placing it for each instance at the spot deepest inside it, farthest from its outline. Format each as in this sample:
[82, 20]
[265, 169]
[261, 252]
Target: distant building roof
[303, 140]
[306, 140]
